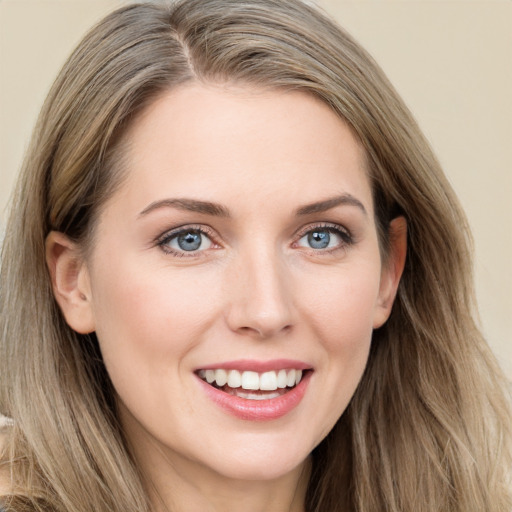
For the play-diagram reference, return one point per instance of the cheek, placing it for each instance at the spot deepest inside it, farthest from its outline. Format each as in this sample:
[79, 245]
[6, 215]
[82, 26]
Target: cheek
[342, 318]
[346, 333]
[138, 300]
[146, 317]
[146, 325]
[342, 305]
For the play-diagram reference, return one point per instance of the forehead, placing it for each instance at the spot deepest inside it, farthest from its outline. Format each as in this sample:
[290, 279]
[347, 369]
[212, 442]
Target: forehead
[223, 143]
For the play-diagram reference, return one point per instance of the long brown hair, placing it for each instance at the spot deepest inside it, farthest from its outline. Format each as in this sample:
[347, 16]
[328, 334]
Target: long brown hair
[429, 426]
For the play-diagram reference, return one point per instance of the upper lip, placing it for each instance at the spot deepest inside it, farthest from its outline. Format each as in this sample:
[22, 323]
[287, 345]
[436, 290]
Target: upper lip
[258, 366]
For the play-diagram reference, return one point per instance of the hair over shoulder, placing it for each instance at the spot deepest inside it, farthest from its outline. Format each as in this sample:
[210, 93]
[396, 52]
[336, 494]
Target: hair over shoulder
[429, 427]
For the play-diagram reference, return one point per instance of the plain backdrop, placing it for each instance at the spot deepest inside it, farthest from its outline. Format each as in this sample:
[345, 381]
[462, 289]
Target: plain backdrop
[450, 60]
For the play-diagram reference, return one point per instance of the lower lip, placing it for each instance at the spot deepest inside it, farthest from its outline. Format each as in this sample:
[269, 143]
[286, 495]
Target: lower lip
[258, 410]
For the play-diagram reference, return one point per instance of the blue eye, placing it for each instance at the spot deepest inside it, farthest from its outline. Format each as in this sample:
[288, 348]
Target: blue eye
[324, 238]
[319, 239]
[189, 240]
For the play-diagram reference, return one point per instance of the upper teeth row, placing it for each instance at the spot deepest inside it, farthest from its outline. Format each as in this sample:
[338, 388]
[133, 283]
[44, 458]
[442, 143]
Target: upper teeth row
[267, 381]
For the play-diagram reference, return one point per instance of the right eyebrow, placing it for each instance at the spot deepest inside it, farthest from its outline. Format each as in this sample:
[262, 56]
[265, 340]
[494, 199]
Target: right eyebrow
[190, 205]
[332, 202]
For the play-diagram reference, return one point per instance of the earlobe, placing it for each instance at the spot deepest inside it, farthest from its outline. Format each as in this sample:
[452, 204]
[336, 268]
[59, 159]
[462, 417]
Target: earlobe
[70, 282]
[392, 270]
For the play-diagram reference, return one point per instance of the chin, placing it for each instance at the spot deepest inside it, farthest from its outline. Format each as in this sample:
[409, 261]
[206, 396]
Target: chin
[262, 460]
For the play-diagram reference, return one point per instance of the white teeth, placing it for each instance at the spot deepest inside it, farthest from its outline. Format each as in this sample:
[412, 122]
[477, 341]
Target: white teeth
[253, 381]
[251, 395]
[268, 381]
[250, 380]
[234, 379]
[290, 379]
[221, 377]
[282, 379]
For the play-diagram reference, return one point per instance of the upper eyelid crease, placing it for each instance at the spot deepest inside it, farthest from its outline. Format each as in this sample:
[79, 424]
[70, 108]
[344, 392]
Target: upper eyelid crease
[328, 226]
[345, 234]
[171, 233]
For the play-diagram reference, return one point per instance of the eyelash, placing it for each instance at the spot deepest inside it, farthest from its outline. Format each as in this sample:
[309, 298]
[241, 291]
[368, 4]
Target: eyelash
[168, 236]
[344, 235]
[346, 238]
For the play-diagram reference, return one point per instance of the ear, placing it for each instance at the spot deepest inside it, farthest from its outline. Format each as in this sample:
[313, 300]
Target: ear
[391, 270]
[70, 282]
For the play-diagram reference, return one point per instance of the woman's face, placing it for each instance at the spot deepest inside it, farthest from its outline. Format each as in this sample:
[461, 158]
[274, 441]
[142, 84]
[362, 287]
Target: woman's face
[242, 246]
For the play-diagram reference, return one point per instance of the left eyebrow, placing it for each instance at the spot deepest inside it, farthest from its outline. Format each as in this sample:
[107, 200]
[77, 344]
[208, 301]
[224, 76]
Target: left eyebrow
[191, 205]
[332, 202]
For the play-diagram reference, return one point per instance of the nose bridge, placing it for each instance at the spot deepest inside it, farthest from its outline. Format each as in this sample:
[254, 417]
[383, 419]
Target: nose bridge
[261, 302]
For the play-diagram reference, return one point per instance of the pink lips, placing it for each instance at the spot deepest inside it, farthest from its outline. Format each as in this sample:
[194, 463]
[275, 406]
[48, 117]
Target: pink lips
[258, 410]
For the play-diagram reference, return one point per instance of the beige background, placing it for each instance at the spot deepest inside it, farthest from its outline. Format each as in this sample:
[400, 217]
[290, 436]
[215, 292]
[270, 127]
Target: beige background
[450, 60]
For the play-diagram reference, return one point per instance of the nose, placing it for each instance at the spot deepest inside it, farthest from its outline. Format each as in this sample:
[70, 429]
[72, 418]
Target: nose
[260, 295]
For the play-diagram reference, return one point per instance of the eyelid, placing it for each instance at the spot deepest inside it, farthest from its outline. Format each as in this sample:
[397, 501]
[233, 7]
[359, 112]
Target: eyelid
[342, 230]
[344, 233]
[160, 241]
[165, 237]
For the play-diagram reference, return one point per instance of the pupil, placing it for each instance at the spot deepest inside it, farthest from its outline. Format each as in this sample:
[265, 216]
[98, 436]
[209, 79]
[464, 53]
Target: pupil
[190, 241]
[319, 239]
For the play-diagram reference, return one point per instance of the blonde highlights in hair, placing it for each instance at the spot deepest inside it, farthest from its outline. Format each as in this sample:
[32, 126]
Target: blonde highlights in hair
[429, 426]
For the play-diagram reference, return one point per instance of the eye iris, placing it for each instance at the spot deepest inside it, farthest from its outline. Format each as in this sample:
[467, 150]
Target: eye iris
[319, 239]
[189, 241]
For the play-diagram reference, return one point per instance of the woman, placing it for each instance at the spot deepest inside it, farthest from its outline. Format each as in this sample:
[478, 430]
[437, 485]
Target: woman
[235, 276]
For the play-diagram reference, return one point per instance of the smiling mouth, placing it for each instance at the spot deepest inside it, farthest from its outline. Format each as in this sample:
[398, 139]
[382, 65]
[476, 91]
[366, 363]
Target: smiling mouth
[253, 385]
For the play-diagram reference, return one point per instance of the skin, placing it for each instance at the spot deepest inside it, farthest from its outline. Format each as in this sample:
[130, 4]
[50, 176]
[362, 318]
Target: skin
[256, 289]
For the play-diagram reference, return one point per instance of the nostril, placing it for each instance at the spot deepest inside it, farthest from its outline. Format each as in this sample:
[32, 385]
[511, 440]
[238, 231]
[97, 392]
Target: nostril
[264, 331]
